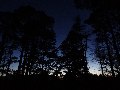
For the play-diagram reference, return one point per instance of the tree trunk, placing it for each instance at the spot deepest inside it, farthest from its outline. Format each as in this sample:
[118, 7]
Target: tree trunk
[101, 65]
[20, 62]
[9, 62]
[109, 57]
[85, 55]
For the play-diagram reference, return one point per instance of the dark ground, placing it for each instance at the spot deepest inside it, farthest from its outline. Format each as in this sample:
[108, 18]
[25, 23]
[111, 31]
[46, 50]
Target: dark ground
[35, 83]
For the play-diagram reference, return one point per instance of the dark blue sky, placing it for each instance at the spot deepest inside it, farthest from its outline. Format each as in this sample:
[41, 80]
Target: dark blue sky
[63, 11]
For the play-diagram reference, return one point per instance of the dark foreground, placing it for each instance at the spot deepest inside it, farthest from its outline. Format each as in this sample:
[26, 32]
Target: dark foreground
[37, 83]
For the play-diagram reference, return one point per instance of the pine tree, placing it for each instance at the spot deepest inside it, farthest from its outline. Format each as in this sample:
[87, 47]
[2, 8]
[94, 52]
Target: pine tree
[73, 50]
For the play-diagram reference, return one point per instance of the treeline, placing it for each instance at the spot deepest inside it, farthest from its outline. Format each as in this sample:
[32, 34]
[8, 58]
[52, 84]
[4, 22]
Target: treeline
[105, 21]
[27, 38]
[29, 33]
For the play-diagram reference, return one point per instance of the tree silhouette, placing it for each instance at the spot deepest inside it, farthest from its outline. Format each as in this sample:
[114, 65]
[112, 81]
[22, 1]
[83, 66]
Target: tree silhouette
[7, 44]
[37, 38]
[31, 34]
[95, 4]
[105, 20]
[106, 27]
[73, 49]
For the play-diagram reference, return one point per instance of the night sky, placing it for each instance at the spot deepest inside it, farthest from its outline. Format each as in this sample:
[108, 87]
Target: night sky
[63, 11]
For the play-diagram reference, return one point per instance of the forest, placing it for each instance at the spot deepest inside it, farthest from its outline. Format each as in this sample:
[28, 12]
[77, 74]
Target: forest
[28, 40]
